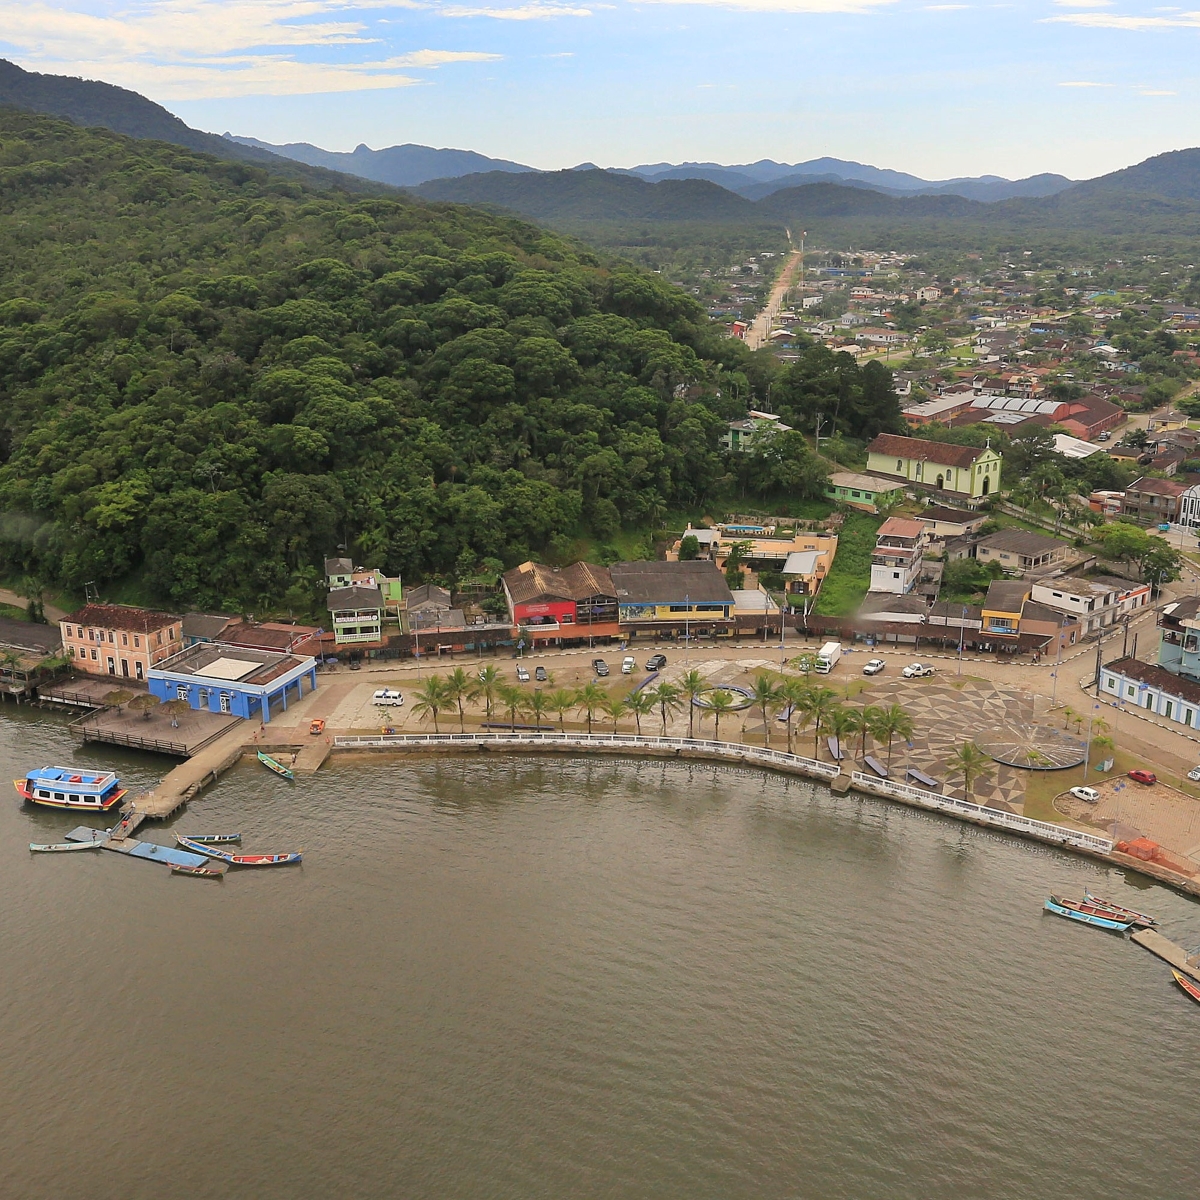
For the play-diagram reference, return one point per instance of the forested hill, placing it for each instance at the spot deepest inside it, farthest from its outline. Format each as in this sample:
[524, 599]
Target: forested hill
[210, 378]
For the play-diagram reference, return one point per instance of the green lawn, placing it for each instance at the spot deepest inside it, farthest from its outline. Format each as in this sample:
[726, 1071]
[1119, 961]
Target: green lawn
[850, 577]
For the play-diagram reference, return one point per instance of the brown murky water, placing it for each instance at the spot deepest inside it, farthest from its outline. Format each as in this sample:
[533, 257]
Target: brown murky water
[539, 978]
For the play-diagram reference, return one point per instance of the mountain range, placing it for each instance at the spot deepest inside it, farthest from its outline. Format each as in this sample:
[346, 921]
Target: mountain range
[1157, 197]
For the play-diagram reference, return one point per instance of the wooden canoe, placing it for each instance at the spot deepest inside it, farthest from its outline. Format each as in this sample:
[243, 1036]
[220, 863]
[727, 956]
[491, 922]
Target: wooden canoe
[214, 839]
[1188, 984]
[62, 847]
[1071, 910]
[241, 860]
[216, 871]
[1119, 910]
[274, 765]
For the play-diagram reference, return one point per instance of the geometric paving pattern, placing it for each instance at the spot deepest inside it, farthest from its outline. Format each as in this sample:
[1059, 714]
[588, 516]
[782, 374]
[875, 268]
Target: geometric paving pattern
[1036, 747]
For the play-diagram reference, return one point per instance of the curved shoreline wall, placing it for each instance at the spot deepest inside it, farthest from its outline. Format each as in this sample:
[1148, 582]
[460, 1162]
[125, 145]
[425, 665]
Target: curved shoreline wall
[740, 753]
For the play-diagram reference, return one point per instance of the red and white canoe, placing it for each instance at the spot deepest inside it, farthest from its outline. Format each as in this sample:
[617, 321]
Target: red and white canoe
[1119, 910]
[240, 860]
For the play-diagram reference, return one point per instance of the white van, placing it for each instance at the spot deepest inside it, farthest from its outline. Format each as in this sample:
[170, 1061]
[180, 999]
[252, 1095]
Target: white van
[387, 696]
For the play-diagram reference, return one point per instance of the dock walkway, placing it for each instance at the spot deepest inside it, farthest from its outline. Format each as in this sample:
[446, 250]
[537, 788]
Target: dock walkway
[1168, 951]
[178, 786]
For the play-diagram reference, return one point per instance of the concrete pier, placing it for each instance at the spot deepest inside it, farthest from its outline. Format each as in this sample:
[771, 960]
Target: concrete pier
[181, 784]
[1168, 951]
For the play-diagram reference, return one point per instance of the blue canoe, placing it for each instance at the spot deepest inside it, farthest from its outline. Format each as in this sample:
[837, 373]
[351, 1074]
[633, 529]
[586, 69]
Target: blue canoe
[1057, 906]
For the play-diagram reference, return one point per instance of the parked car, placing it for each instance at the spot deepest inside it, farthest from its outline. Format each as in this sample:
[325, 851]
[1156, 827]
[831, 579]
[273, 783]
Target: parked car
[917, 670]
[355, 665]
[539, 673]
[522, 674]
[873, 666]
[1194, 774]
[387, 696]
[1103, 437]
[627, 664]
[1085, 793]
[1140, 776]
[599, 666]
[656, 662]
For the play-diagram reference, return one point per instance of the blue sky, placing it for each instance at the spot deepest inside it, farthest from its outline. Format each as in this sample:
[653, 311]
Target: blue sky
[1075, 86]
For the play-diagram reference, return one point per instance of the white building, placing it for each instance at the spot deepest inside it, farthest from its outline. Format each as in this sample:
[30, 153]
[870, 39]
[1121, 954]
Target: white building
[1097, 602]
[899, 556]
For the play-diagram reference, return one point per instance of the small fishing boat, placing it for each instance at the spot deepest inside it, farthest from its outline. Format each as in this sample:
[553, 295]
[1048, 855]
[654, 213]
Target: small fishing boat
[1142, 920]
[214, 839]
[274, 765]
[61, 847]
[1068, 908]
[1188, 984]
[240, 860]
[62, 787]
[205, 872]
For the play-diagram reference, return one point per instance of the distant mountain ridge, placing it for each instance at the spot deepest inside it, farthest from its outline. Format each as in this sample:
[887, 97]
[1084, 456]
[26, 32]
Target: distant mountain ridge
[399, 166]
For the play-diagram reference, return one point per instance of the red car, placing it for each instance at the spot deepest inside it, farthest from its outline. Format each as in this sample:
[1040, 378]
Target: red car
[1140, 776]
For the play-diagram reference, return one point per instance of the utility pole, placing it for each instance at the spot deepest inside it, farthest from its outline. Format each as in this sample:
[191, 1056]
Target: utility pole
[962, 630]
[817, 435]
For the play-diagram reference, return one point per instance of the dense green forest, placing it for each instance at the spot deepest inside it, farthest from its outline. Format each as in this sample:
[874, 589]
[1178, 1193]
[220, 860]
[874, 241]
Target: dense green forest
[211, 377]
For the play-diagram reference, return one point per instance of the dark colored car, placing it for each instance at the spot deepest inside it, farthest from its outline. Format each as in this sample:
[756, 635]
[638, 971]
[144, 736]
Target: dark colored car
[599, 666]
[539, 673]
[1140, 776]
[656, 662]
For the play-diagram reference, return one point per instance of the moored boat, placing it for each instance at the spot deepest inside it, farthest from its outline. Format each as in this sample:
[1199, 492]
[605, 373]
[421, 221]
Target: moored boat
[214, 839]
[240, 860]
[62, 787]
[1188, 984]
[62, 847]
[1071, 910]
[206, 871]
[274, 765]
[1141, 919]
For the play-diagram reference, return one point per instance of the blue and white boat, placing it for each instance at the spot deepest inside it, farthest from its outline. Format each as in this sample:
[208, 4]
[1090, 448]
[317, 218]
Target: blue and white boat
[64, 787]
[1067, 908]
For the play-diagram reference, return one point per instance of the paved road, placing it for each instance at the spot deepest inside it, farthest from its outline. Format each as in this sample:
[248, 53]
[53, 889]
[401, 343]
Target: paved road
[52, 613]
[759, 332]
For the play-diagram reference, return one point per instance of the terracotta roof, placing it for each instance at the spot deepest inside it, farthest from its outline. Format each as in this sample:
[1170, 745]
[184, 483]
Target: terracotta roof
[1156, 487]
[206, 626]
[1021, 541]
[698, 582]
[950, 516]
[901, 527]
[535, 581]
[1006, 595]
[945, 453]
[30, 635]
[120, 616]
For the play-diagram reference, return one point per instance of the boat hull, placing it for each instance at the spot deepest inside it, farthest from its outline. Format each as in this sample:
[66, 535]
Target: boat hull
[214, 839]
[240, 860]
[1189, 985]
[1141, 919]
[62, 847]
[1056, 906]
[105, 803]
[272, 765]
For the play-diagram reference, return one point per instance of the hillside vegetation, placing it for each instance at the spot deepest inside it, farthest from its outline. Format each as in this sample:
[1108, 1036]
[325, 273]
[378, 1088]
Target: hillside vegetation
[211, 377]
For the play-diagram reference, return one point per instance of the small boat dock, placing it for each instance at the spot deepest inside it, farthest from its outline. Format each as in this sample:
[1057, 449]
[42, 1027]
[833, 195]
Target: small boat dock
[1168, 951]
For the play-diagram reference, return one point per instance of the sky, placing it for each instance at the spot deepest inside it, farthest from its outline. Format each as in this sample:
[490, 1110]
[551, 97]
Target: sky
[1078, 87]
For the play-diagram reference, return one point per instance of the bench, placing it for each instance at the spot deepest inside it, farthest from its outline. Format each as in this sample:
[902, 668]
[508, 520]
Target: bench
[877, 766]
[923, 780]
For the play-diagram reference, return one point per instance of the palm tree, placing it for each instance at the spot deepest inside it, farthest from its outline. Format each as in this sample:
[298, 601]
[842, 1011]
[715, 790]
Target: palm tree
[667, 697]
[691, 685]
[513, 697]
[971, 763]
[641, 704]
[890, 723]
[11, 661]
[842, 721]
[767, 695]
[561, 701]
[431, 698]
[868, 717]
[794, 694]
[719, 703]
[459, 687]
[821, 702]
[537, 704]
[589, 698]
[616, 708]
[490, 678]
[1068, 715]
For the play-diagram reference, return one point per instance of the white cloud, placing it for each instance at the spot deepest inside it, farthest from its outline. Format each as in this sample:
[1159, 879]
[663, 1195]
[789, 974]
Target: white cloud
[518, 12]
[945, 7]
[1084, 3]
[1156, 92]
[189, 49]
[1084, 83]
[1104, 20]
[788, 6]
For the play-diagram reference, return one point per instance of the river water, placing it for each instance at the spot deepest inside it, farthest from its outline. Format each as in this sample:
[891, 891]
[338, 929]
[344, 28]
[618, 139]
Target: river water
[537, 978]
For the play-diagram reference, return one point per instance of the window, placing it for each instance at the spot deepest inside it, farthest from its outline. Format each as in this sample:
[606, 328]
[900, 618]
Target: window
[112, 666]
[137, 642]
[1187, 716]
[1111, 684]
[59, 796]
[899, 464]
[138, 669]
[74, 798]
[124, 639]
[226, 705]
[1168, 709]
[71, 651]
[1131, 692]
[181, 691]
[93, 654]
[895, 574]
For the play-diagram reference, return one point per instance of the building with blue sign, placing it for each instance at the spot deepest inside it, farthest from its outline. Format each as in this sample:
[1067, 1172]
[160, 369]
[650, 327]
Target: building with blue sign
[219, 678]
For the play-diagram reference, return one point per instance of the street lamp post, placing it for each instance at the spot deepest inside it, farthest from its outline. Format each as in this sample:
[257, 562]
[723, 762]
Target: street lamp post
[962, 630]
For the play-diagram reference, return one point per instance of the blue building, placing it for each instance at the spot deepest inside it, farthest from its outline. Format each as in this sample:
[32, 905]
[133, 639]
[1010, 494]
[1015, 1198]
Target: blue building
[218, 678]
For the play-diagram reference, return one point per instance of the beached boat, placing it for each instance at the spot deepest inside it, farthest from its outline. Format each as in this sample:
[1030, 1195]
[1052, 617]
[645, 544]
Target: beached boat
[1188, 984]
[61, 847]
[62, 787]
[240, 860]
[216, 871]
[1141, 919]
[1070, 909]
[214, 839]
[274, 765]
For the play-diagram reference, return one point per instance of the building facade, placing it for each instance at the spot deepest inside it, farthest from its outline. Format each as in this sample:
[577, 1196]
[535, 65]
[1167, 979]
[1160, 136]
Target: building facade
[560, 604]
[356, 613]
[1153, 501]
[752, 432]
[119, 640]
[1097, 602]
[963, 473]
[665, 599]
[1021, 552]
[899, 556]
[862, 491]
[1131, 683]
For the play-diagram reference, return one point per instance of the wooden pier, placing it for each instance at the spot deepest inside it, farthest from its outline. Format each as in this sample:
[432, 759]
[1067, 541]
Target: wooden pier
[1168, 951]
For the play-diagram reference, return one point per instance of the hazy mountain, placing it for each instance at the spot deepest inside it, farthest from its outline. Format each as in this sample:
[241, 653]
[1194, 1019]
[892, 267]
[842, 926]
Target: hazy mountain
[400, 166]
[89, 102]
